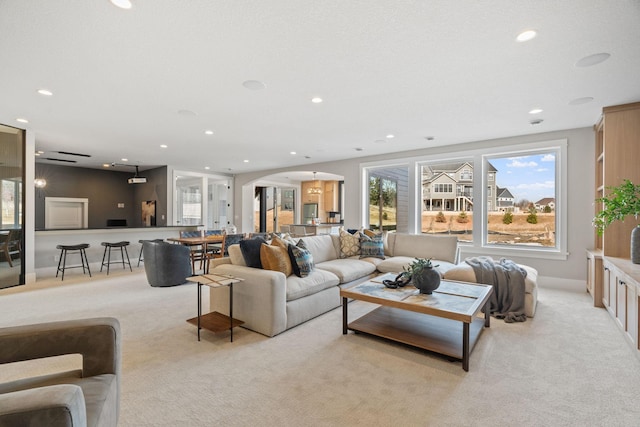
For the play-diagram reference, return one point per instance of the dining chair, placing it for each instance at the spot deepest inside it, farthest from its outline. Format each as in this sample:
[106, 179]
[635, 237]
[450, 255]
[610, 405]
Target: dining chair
[230, 239]
[285, 228]
[299, 231]
[197, 252]
[11, 245]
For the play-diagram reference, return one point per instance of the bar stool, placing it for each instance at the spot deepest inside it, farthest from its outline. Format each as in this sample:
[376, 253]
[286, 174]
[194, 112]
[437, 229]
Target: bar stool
[63, 258]
[141, 241]
[123, 252]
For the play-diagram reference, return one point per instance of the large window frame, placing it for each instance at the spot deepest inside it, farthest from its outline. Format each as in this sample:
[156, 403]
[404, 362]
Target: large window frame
[481, 157]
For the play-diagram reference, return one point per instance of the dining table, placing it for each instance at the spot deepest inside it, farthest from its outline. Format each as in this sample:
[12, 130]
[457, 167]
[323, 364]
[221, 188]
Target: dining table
[206, 242]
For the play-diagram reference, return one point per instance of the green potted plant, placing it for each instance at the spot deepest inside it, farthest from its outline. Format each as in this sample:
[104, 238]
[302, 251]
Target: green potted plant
[423, 275]
[621, 202]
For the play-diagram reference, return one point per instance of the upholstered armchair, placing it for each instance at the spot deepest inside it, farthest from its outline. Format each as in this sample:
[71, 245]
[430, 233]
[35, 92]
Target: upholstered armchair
[166, 264]
[89, 396]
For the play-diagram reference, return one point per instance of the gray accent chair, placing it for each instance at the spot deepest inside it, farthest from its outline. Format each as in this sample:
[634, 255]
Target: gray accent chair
[89, 396]
[166, 264]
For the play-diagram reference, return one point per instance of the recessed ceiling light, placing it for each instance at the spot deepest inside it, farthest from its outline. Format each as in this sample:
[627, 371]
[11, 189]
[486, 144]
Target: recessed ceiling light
[208, 132]
[254, 85]
[316, 100]
[207, 167]
[390, 136]
[594, 59]
[246, 161]
[125, 160]
[292, 152]
[163, 145]
[526, 35]
[45, 92]
[122, 4]
[583, 100]
[106, 165]
[536, 111]
[37, 154]
[21, 120]
[40, 152]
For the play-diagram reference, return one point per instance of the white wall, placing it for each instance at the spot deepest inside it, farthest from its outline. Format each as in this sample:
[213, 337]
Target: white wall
[581, 179]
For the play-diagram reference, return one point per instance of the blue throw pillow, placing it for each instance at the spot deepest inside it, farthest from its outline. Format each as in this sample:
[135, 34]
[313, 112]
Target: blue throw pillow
[371, 246]
[301, 259]
[250, 249]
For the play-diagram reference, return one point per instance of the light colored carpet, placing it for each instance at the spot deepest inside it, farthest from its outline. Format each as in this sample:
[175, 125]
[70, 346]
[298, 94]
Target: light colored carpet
[569, 366]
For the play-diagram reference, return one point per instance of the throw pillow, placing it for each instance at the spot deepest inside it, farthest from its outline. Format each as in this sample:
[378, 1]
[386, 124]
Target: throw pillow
[301, 259]
[383, 236]
[275, 258]
[371, 247]
[251, 251]
[279, 241]
[349, 244]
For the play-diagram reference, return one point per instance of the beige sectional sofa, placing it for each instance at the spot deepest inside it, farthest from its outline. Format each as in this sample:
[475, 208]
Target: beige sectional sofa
[270, 302]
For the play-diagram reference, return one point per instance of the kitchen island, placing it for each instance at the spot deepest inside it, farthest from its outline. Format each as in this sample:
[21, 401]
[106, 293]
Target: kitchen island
[46, 254]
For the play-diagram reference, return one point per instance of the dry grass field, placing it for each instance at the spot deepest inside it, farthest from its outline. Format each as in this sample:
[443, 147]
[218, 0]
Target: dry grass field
[519, 231]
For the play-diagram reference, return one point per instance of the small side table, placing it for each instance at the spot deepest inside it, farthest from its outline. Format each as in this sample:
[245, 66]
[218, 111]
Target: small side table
[215, 321]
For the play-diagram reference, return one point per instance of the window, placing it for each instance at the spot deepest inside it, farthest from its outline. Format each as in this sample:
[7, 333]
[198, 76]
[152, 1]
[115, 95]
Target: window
[444, 211]
[383, 202]
[524, 214]
[514, 199]
[201, 199]
[386, 197]
[443, 188]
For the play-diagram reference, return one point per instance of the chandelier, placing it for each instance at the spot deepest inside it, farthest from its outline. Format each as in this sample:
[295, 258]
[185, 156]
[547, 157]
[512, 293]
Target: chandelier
[315, 189]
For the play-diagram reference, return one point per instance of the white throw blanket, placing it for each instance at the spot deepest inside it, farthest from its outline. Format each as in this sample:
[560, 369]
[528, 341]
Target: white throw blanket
[507, 300]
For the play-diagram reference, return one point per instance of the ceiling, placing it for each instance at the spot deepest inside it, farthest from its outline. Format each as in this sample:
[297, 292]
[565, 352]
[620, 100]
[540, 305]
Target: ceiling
[125, 82]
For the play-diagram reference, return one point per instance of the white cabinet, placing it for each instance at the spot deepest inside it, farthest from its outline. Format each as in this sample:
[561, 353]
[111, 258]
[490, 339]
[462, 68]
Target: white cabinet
[621, 294]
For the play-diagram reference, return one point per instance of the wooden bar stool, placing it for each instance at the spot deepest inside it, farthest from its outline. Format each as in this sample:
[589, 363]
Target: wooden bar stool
[123, 252]
[63, 258]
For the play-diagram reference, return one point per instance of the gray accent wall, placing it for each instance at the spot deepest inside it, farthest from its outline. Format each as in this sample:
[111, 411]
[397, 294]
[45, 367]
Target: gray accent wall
[105, 189]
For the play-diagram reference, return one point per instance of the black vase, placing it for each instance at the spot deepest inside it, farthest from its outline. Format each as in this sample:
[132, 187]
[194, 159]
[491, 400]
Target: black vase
[428, 281]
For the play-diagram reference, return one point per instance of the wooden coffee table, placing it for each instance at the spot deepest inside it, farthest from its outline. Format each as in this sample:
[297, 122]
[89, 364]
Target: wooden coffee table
[444, 322]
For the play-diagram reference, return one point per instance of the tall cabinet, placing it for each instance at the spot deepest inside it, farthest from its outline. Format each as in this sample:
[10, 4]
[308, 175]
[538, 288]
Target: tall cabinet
[612, 280]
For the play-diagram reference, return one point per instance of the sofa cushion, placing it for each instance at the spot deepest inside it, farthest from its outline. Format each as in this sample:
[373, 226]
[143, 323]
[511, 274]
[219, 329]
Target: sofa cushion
[316, 281]
[348, 269]
[276, 258]
[301, 259]
[321, 247]
[251, 251]
[426, 246]
[349, 244]
[397, 264]
[463, 272]
[235, 255]
[371, 246]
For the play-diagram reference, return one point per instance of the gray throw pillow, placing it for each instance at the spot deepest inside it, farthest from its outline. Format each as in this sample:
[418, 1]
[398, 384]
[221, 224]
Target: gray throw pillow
[250, 249]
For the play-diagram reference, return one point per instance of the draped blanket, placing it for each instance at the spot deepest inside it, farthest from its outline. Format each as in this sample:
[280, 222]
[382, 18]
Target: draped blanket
[507, 300]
